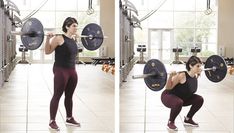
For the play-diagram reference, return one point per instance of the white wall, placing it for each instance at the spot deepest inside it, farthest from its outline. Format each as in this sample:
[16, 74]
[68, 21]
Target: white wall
[107, 22]
[226, 26]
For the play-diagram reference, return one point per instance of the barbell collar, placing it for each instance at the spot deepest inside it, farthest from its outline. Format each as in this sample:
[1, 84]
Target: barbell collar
[91, 37]
[143, 76]
[210, 69]
[16, 33]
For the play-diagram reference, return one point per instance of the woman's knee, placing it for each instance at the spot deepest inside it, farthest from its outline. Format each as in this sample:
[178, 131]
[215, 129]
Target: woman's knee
[68, 97]
[200, 100]
[178, 103]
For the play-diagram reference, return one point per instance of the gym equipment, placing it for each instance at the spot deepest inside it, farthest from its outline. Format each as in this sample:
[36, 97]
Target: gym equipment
[108, 68]
[177, 58]
[220, 68]
[113, 70]
[208, 10]
[229, 61]
[23, 60]
[32, 35]
[155, 75]
[231, 70]
[95, 36]
[141, 49]
[104, 66]
[195, 50]
[78, 61]
[154, 68]
[90, 8]
[98, 60]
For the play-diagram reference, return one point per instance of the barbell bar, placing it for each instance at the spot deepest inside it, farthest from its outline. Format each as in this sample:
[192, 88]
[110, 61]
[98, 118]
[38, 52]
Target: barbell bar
[32, 35]
[155, 75]
[57, 34]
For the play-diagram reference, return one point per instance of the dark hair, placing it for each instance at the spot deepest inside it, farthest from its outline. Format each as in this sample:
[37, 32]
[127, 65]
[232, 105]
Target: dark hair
[193, 60]
[68, 22]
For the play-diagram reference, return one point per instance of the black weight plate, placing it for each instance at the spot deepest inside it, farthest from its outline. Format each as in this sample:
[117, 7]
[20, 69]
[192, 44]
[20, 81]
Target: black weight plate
[157, 82]
[32, 34]
[94, 42]
[220, 72]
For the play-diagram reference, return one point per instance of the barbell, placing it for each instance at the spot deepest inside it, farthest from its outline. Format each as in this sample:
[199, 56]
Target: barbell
[32, 35]
[155, 74]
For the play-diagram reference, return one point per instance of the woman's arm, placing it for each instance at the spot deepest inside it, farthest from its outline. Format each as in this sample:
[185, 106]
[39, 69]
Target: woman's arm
[51, 43]
[174, 79]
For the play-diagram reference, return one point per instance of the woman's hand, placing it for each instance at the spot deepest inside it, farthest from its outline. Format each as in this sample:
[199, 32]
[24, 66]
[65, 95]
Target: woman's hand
[49, 36]
[172, 73]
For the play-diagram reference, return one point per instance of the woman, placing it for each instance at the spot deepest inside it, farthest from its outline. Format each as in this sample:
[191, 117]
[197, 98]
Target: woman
[65, 76]
[180, 91]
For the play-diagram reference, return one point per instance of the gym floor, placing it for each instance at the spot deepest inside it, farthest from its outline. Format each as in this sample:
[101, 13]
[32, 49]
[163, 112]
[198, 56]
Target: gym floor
[25, 98]
[215, 116]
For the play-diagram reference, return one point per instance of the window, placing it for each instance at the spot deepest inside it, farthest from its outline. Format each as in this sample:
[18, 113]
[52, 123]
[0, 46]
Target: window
[186, 18]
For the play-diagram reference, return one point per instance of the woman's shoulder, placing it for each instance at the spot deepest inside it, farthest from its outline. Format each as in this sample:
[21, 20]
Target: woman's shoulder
[182, 74]
[58, 39]
[182, 77]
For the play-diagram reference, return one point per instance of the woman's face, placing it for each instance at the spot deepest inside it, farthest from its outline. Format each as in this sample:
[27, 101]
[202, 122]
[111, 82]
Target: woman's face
[72, 29]
[196, 68]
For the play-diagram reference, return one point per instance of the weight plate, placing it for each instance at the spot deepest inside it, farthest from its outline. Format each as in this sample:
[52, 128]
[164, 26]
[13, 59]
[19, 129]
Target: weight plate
[158, 81]
[220, 72]
[32, 34]
[95, 39]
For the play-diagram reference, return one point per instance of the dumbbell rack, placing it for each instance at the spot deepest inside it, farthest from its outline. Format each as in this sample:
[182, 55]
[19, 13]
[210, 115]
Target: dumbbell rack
[176, 59]
[23, 59]
[141, 49]
[78, 57]
[195, 50]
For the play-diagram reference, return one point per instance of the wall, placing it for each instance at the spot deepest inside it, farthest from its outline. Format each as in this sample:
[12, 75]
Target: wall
[107, 22]
[226, 27]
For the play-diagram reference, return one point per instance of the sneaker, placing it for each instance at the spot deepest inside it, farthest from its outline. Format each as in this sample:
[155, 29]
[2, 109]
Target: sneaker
[171, 126]
[190, 122]
[53, 125]
[72, 122]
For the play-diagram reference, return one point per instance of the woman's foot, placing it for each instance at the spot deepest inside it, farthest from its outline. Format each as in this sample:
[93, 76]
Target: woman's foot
[53, 125]
[190, 122]
[72, 122]
[171, 126]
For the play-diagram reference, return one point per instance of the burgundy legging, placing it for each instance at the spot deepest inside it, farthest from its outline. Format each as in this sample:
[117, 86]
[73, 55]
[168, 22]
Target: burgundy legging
[176, 103]
[65, 80]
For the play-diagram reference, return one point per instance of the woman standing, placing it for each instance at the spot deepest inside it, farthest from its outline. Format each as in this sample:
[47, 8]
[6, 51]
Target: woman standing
[65, 76]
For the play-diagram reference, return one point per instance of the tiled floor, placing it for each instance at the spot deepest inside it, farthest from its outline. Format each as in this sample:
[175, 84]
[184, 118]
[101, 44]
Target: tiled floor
[24, 101]
[215, 116]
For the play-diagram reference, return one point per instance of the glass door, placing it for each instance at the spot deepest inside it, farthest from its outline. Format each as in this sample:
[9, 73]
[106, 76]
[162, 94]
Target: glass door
[160, 44]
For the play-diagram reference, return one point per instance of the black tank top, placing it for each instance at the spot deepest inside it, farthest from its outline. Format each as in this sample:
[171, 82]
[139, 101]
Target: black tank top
[187, 89]
[65, 54]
